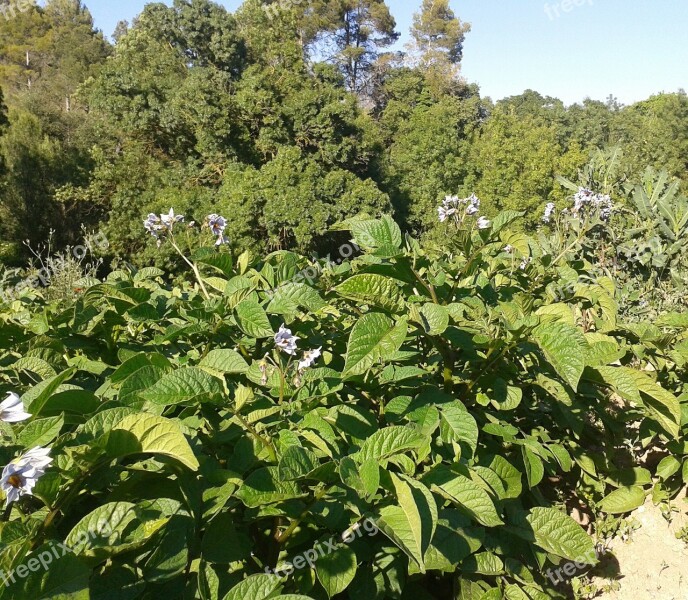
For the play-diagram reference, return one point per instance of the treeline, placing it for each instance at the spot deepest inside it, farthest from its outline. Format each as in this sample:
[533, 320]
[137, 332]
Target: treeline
[285, 117]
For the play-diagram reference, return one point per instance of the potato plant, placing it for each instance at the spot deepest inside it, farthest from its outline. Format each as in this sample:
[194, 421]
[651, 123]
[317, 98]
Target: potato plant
[413, 421]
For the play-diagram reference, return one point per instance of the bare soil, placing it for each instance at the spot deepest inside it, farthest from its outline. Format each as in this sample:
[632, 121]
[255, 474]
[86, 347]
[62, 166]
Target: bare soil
[653, 563]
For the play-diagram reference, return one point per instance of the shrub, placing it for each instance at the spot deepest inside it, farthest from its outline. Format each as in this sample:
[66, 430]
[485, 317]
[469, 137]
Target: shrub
[400, 421]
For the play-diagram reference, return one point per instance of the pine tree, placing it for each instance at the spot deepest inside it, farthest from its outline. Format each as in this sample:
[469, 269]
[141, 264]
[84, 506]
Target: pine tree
[438, 33]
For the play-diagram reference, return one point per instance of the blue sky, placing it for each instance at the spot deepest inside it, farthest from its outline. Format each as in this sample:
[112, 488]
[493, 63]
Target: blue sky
[628, 48]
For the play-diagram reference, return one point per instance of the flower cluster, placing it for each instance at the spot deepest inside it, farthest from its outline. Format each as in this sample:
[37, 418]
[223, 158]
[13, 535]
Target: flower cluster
[459, 208]
[587, 199]
[158, 225]
[21, 475]
[285, 342]
[217, 225]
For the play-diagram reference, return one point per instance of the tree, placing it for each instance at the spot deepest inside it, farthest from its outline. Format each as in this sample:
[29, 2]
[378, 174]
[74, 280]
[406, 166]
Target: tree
[515, 161]
[438, 34]
[351, 34]
[292, 201]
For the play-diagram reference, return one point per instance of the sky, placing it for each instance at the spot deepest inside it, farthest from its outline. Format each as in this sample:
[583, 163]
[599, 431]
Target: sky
[569, 49]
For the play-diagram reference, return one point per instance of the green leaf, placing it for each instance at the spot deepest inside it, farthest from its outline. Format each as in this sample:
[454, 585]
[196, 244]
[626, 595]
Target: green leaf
[668, 467]
[559, 534]
[411, 524]
[336, 570]
[64, 578]
[565, 347]
[296, 462]
[111, 529]
[253, 320]
[377, 290]
[145, 433]
[510, 475]
[37, 396]
[623, 500]
[535, 469]
[364, 477]
[382, 237]
[458, 425]
[40, 432]
[265, 487]
[373, 338]
[224, 361]
[255, 587]
[287, 299]
[434, 318]
[388, 442]
[183, 386]
[469, 496]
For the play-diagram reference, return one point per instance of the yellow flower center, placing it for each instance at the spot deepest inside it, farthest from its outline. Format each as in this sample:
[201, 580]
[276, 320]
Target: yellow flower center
[15, 481]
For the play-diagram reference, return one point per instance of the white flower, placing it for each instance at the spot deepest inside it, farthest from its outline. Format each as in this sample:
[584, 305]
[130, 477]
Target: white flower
[12, 409]
[445, 213]
[22, 474]
[525, 263]
[285, 341]
[601, 202]
[472, 210]
[450, 201]
[549, 211]
[309, 358]
[170, 219]
[474, 200]
[484, 223]
[508, 248]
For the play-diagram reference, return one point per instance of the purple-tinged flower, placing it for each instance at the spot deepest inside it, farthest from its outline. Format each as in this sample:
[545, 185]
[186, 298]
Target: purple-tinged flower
[445, 213]
[285, 341]
[153, 225]
[217, 225]
[484, 223]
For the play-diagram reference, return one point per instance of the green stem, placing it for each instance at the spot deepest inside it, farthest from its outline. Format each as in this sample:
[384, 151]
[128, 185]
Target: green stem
[266, 443]
[194, 268]
[429, 287]
[282, 538]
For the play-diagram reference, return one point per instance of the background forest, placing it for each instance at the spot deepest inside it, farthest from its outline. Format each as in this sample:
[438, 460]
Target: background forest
[289, 117]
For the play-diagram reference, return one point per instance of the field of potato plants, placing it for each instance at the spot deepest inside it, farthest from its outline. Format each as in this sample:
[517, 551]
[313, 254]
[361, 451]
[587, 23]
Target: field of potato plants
[405, 420]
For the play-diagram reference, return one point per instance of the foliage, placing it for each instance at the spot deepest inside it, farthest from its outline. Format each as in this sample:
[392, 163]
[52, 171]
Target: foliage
[452, 389]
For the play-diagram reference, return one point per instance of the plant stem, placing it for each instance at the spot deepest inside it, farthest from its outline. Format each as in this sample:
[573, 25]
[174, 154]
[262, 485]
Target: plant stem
[266, 443]
[194, 268]
[280, 539]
